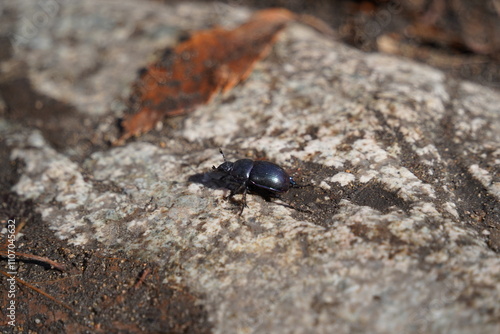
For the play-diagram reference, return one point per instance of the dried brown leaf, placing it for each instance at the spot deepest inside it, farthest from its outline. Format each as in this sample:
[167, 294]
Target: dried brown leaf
[209, 62]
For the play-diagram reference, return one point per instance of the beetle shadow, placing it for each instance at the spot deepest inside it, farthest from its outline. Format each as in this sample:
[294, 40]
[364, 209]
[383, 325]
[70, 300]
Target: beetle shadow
[216, 180]
[213, 179]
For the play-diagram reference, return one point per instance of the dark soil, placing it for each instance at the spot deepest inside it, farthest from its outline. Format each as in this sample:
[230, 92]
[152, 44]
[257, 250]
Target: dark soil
[96, 292]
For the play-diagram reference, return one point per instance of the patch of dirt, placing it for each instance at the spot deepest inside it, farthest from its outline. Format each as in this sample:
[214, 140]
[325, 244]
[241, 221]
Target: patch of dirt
[61, 125]
[96, 293]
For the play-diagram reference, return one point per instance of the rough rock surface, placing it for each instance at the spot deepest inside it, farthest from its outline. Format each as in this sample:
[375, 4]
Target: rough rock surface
[403, 234]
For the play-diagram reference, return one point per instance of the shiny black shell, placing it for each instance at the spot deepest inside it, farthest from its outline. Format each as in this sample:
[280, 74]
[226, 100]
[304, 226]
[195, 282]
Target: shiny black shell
[267, 175]
[258, 175]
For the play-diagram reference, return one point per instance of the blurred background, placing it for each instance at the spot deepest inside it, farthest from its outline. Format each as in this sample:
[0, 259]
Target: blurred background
[460, 37]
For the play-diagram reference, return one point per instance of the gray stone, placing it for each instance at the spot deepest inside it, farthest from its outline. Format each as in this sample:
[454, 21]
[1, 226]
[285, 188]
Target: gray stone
[402, 236]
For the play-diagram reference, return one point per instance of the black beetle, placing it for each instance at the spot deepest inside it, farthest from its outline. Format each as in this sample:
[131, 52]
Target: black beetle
[262, 177]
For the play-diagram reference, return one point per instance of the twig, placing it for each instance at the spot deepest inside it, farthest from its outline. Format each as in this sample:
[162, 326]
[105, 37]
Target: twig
[144, 273]
[39, 291]
[42, 259]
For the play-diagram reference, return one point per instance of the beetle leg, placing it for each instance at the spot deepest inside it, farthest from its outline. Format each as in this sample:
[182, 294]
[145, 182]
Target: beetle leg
[244, 204]
[235, 190]
[231, 195]
[241, 189]
[286, 205]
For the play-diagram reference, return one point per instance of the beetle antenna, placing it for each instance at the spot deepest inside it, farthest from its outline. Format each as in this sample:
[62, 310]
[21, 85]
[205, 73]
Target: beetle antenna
[286, 205]
[223, 156]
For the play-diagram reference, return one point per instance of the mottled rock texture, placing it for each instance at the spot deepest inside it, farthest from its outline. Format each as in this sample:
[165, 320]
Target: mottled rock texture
[403, 229]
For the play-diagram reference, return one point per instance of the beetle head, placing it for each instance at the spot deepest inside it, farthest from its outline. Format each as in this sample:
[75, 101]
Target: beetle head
[225, 167]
